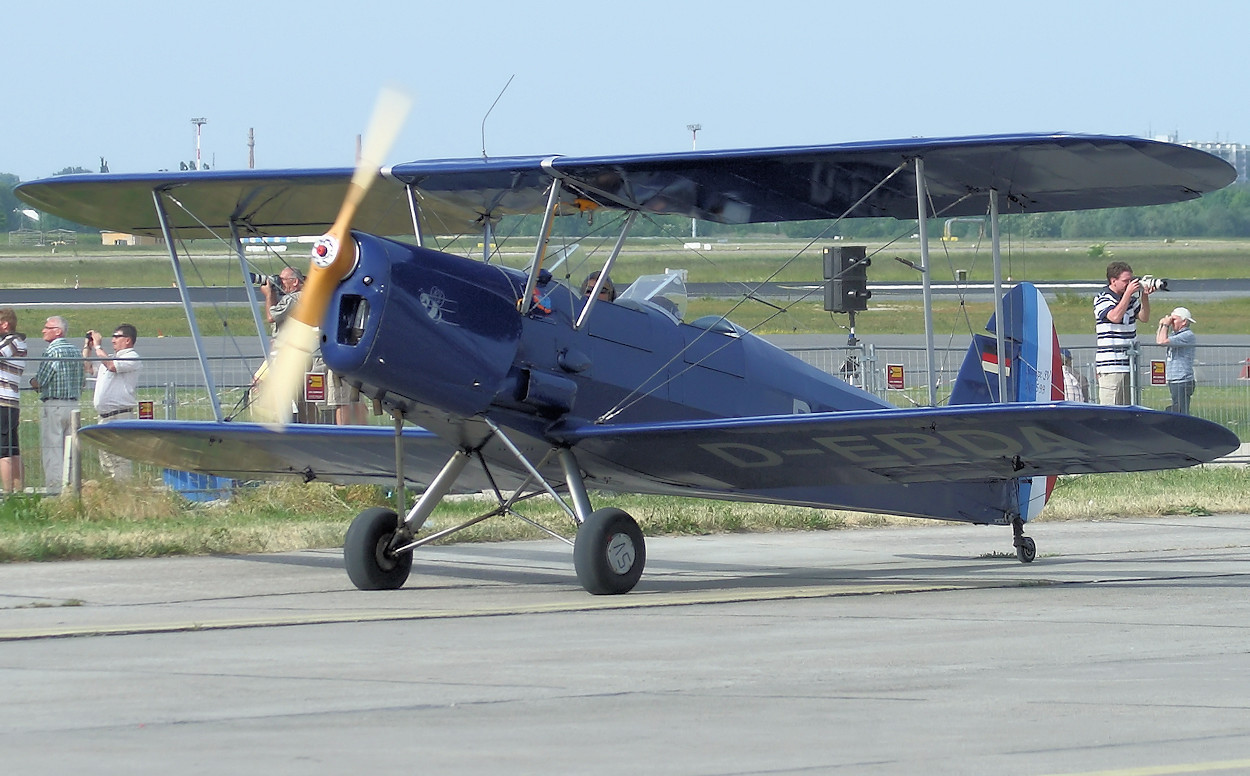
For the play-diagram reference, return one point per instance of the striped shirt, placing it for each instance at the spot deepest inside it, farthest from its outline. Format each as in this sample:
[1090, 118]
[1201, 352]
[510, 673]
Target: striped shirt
[12, 364]
[60, 375]
[1114, 339]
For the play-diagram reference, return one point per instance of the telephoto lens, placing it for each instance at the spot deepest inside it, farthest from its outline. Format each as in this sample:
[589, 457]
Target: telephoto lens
[273, 280]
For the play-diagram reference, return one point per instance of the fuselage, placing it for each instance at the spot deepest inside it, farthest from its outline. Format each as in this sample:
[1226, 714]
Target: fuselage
[432, 333]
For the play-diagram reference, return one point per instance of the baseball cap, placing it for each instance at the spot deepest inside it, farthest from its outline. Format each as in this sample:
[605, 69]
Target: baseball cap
[1183, 312]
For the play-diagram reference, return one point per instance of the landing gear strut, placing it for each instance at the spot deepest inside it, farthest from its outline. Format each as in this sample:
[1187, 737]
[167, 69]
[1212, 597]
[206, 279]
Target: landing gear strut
[1026, 549]
[608, 555]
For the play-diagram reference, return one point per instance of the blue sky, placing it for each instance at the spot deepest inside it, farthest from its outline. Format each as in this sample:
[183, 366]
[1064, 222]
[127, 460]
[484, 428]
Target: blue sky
[123, 79]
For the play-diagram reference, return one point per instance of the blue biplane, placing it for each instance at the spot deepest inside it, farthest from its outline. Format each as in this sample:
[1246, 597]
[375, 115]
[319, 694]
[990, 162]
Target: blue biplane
[519, 382]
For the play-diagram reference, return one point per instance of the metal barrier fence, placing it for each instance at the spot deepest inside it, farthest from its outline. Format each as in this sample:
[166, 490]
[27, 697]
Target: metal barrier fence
[176, 388]
[172, 388]
[1222, 372]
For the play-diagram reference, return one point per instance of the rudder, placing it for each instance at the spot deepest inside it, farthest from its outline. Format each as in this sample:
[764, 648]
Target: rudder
[1034, 372]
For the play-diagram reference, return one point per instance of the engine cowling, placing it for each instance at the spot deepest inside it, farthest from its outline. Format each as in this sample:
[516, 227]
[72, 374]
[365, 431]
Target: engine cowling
[424, 325]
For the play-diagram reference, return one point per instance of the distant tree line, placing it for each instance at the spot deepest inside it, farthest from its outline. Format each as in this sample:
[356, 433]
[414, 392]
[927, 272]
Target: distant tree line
[9, 205]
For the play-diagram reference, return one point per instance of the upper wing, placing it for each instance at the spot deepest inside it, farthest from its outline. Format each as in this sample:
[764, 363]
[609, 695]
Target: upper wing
[339, 454]
[765, 455]
[1033, 173]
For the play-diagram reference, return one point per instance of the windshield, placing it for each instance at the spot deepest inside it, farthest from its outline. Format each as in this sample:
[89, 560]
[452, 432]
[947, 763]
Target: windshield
[667, 292]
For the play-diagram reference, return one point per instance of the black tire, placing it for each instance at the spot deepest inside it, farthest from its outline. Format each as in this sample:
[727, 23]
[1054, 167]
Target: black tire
[609, 552]
[370, 565]
[1026, 549]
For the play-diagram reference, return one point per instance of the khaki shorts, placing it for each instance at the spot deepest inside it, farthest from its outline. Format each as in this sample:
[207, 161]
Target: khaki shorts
[1113, 388]
[338, 392]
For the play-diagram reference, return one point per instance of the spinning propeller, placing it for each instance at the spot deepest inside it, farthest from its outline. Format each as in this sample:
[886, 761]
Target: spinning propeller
[332, 258]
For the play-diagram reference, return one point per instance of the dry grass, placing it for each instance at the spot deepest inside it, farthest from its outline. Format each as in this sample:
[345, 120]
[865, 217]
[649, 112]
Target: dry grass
[113, 521]
[1205, 490]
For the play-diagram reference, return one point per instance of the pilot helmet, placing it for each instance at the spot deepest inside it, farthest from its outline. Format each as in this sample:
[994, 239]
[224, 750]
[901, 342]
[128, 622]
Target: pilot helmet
[608, 291]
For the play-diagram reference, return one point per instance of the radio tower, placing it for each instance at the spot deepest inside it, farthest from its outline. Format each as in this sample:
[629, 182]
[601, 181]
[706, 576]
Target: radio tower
[199, 123]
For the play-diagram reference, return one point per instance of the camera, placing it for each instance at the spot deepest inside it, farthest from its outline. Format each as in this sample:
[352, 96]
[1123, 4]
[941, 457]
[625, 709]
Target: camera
[90, 341]
[273, 281]
[260, 280]
[1151, 283]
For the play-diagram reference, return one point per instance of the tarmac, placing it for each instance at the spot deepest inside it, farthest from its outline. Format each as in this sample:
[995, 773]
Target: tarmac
[1121, 650]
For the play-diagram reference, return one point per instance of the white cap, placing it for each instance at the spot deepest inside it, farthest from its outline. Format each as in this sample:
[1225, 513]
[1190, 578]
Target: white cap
[1183, 312]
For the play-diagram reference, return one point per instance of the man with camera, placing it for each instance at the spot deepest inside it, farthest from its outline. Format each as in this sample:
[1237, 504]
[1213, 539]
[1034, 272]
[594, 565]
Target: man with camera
[280, 300]
[1174, 332]
[116, 380]
[1117, 308]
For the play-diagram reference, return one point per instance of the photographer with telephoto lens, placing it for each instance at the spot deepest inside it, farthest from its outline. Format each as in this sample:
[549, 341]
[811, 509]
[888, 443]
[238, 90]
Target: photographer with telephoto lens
[1117, 308]
[273, 281]
[280, 297]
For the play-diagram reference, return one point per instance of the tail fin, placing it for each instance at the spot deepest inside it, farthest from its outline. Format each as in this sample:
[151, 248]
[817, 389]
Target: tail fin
[1034, 373]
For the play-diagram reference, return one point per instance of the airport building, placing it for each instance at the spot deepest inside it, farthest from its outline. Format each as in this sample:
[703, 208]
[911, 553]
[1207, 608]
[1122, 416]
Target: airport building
[1236, 154]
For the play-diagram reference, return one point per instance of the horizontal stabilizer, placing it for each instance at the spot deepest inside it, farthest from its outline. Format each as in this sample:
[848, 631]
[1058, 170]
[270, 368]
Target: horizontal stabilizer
[969, 443]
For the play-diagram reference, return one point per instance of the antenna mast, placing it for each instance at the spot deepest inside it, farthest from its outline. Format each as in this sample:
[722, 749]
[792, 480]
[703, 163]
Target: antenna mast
[491, 108]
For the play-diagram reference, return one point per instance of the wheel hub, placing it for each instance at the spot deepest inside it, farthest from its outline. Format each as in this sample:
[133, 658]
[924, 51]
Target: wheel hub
[621, 553]
[382, 552]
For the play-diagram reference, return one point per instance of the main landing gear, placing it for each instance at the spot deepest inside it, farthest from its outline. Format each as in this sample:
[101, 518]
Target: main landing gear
[608, 555]
[1026, 549]
[371, 563]
[609, 552]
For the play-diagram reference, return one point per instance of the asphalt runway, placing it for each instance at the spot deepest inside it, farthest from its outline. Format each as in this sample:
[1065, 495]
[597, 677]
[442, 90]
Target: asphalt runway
[1124, 649]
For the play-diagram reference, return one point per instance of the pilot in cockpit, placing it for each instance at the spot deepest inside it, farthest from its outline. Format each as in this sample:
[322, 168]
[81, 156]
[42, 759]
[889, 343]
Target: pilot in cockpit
[607, 292]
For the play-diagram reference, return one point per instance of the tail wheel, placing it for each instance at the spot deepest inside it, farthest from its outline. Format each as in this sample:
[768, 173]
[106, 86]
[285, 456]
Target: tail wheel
[1026, 549]
[367, 552]
[609, 552]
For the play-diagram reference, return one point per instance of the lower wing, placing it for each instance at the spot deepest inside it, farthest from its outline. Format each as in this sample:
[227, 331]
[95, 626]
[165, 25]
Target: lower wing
[250, 451]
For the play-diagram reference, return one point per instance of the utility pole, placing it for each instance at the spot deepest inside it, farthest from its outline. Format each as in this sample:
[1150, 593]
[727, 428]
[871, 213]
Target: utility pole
[694, 146]
[251, 148]
[199, 123]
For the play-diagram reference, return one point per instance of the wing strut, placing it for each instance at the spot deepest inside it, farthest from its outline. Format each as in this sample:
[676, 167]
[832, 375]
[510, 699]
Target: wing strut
[526, 302]
[922, 204]
[414, 210]
[262, 331]
[996, 253]
[607, 268]
[186, 306]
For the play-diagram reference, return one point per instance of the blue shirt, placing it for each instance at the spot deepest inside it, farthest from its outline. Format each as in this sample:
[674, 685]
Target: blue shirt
[1180, 359]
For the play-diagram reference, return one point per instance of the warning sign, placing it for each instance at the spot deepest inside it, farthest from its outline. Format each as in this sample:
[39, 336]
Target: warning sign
[894, 379]
[1158, 373]
[314, 386]
[147, 410]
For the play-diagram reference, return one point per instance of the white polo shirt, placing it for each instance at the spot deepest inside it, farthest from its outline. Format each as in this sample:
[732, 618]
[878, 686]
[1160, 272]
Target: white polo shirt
[116, 390]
